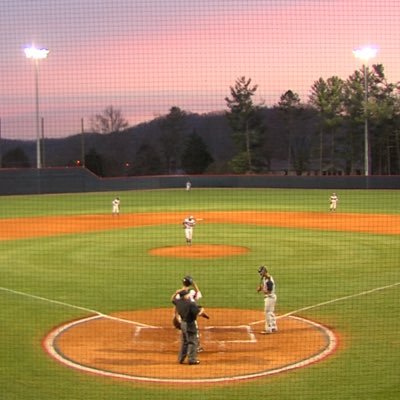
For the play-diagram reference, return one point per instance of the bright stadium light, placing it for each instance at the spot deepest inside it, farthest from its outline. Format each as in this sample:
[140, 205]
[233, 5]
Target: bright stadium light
[36, 54]
[365, 54]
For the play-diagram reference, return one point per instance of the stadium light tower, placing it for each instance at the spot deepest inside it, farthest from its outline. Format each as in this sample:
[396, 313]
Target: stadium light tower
[37, 54]
[365, 54]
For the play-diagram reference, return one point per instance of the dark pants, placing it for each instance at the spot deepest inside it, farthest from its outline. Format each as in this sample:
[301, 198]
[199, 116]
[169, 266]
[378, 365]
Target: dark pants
[189, 342]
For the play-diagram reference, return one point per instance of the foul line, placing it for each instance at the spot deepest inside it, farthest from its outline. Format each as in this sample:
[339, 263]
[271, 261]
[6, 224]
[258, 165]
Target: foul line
[338, 299]
[100, 314]
[330, 302]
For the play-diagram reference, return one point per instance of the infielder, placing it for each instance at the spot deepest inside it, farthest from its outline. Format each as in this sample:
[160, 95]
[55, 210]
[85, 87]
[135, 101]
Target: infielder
[333, 200]
[188, 224]
[115, 206]
[267, 287]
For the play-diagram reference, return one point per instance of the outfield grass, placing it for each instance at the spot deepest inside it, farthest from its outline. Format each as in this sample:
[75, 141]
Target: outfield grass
[112, 271]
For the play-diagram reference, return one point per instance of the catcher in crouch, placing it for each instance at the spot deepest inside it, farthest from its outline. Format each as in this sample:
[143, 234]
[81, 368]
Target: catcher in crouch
[194, 295]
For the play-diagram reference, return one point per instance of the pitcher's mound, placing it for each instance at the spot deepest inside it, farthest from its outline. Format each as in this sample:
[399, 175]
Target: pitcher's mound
[199, 251]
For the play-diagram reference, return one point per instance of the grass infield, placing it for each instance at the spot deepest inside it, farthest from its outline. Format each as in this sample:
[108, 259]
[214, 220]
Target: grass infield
[112, 271]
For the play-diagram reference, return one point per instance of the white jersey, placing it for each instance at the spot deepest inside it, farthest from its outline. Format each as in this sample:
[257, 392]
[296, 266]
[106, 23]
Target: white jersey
[189, 223]
[334, 199]
[115, 205]
[194, 295]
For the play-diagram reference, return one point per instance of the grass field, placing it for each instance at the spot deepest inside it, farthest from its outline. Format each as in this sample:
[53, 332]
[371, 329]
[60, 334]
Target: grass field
[111, 271]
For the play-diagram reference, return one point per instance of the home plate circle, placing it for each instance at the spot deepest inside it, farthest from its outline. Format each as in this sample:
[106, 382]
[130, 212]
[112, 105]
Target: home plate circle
[143, 346]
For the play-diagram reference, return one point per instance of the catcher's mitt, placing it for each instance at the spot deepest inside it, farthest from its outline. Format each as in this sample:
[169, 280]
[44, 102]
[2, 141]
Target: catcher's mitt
[176, 323]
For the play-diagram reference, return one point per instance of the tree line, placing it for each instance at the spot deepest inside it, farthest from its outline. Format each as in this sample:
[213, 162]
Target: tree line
[322, 135]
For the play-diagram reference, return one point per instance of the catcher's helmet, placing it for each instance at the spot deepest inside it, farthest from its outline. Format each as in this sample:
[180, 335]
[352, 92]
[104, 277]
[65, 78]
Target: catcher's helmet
[262, 270]
[187, 280]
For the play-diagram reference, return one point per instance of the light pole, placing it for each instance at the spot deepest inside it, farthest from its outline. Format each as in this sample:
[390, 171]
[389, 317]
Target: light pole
[365, 54]
[37, 54]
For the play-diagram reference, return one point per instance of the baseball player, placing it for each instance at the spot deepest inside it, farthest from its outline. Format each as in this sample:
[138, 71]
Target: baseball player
[188, 224]
[267, 287]
[188, 186]
[115, 206]
[333, 200]
[191, 287]
[188, 310]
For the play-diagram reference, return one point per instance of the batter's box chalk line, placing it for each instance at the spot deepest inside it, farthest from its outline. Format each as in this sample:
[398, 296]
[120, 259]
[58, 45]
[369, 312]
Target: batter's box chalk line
[240, 330]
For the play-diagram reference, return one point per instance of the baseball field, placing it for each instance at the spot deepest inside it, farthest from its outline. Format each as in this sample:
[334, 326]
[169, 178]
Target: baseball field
[85, 307]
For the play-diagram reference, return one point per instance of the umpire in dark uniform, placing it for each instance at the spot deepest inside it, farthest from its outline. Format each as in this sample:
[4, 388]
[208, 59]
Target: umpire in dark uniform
[188, 311]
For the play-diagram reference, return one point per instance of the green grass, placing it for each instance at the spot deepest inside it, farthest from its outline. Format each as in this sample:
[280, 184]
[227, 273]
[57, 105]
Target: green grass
[112, 271]
[354, 201]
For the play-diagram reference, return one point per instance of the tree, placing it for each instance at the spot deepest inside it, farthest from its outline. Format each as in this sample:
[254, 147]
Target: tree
[301, 154]
[15, 158]
[147, 161]
[354, 106]
[289, 106]
[196, 157]
[173, 127]
[246, 124]
[384, 116]
[94, 162]
[327, 97]
[111, 120]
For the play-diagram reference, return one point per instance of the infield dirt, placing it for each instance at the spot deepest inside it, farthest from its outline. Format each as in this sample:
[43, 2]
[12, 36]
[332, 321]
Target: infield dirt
[111, 346]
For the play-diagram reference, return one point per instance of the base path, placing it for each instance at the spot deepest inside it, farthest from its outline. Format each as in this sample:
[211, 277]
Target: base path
[18, 228]
[143, 346]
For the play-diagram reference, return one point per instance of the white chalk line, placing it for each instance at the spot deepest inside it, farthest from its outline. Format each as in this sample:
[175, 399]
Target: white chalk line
[247, 328]
[330, 302]
[61, 303]
[49, 345]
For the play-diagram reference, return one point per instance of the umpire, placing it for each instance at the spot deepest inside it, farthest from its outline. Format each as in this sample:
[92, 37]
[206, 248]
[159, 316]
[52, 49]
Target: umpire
[188, 311]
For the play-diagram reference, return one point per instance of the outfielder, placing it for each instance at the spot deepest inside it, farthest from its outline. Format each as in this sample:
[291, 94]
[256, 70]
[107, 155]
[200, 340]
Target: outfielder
[115, 206]
[188, 224]
[267, 287]
[333, 200]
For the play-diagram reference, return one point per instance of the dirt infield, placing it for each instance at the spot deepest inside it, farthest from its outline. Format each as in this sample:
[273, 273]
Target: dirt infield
[143, 346]
[19, 228]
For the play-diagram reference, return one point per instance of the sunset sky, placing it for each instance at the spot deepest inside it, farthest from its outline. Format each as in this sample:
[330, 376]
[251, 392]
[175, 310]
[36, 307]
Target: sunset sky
[143, 57]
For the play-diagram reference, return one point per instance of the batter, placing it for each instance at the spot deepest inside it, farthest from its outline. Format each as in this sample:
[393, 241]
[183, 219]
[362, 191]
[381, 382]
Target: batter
[267, 287]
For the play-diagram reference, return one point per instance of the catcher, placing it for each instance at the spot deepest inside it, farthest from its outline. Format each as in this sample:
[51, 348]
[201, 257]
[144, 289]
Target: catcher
[194, 295]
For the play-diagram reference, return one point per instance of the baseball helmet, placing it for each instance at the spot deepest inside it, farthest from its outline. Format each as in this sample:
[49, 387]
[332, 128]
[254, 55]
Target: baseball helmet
[262, 270]
[187, 280]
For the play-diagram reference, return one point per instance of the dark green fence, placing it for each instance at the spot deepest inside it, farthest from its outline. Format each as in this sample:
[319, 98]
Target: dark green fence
[76, 180]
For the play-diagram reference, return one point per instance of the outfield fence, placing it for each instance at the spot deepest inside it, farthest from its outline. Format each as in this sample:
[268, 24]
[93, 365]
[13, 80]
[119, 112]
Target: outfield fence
[78, 180]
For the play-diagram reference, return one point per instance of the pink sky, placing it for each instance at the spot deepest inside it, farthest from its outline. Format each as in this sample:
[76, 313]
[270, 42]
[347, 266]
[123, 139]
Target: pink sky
[144, 57]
